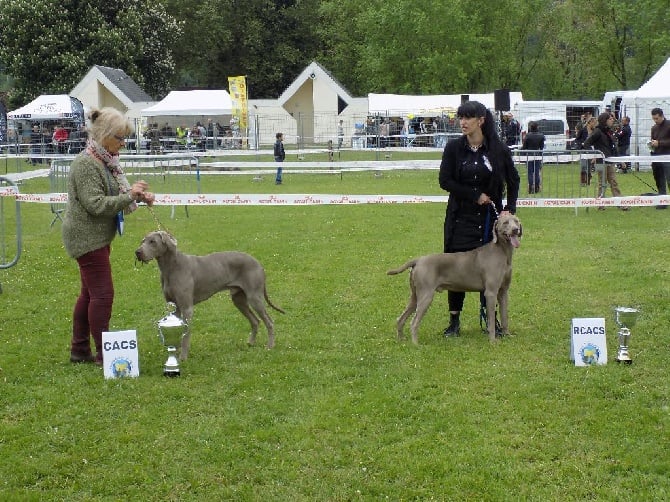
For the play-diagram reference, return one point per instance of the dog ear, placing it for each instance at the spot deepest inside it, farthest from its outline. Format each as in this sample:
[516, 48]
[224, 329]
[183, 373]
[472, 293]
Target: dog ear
[495, 231]
[169, 240]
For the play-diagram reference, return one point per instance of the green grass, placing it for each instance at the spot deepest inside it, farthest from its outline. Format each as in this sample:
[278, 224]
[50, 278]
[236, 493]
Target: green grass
[340, 410]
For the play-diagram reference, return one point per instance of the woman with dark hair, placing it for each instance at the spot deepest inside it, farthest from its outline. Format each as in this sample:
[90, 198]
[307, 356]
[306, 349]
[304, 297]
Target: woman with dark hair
[602, 139]
[476, 168]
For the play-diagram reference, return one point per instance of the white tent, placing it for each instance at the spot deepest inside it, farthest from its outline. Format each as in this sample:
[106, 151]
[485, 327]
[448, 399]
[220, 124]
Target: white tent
[426, 106]
[655, 93]
[49, 107]
[206, 103]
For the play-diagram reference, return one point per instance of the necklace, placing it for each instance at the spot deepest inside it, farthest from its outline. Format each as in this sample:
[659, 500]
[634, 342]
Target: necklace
[474, 148]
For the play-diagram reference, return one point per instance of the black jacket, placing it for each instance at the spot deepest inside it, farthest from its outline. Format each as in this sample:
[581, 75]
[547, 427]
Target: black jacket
[504, 173]
[533, 141]
[661, 132]
[279, 153]
[601, 139]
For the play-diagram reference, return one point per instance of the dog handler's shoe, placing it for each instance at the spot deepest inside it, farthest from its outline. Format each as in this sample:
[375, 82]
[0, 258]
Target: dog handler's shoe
[81, 358]
[454, 328]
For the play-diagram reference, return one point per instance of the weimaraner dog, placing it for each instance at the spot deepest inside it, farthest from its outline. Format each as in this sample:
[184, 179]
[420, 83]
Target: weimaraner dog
[188, 279]
[487, 268]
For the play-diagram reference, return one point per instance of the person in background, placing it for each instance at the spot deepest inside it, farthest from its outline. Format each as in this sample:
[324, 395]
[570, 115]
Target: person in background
[340, 134]
[602, 139]
[279, 155]
[511, 129]
[660, 145]
[35, 144]
[623, 135]
[60, 137]
[98, 195]
[476, 169]
[585, 163]
[534, 141]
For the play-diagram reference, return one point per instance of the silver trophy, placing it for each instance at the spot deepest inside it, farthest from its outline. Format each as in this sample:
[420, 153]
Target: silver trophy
[626, 318]
[171, 330]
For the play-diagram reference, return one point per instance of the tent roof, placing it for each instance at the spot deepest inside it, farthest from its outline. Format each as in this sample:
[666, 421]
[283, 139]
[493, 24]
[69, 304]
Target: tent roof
[200, 102]
[402, 104]
[657, 85]
[45, 107]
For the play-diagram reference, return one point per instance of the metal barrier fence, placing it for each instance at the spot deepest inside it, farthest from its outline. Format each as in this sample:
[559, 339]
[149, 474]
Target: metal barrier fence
[164, 173]
[10, 227]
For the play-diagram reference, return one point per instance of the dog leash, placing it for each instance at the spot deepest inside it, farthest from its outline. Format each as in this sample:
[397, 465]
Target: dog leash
[159, 225]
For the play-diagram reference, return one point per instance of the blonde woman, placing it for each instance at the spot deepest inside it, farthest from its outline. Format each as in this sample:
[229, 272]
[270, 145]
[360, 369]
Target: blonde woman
[98, 196]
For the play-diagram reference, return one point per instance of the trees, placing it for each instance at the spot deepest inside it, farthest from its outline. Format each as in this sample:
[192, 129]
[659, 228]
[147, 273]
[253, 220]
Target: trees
[567, 49]
[49, 47]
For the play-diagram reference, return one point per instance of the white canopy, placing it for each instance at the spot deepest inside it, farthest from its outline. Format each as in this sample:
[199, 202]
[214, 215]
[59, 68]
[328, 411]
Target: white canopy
[48, 107]
[658, 85]
[403, 104]
[655, 93]
[191, 103]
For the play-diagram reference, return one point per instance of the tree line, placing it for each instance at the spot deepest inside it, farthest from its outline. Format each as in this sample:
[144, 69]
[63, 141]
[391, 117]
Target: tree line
[548, 49]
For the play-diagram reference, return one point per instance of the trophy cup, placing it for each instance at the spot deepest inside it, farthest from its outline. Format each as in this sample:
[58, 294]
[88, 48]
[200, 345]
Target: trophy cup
[171, 330]
[626, 318]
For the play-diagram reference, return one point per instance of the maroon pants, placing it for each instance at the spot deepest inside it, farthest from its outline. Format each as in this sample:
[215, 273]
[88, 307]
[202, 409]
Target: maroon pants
[93, 309]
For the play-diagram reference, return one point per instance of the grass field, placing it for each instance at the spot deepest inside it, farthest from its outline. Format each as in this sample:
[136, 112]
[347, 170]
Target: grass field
[340, 410]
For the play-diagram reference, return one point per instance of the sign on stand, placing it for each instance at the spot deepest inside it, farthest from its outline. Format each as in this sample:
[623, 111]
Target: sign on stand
[120, 356]
[588, 343]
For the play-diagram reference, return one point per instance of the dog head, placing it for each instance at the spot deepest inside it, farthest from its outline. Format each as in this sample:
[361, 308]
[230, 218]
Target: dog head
[508, 228]
[155, 245]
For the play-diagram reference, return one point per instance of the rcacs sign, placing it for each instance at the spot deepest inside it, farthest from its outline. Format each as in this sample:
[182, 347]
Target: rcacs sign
[119, 354]
[588, 343]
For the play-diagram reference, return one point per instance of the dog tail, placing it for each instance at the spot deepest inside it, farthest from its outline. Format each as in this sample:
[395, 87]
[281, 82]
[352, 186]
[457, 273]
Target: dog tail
[265, 293]
[409, 264]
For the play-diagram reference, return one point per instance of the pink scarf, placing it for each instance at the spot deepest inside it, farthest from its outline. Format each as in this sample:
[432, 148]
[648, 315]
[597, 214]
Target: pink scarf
[111, 162]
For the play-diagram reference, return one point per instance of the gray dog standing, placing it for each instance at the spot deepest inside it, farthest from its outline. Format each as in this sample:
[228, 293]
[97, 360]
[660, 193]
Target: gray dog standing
[188, 279]
[487, 268]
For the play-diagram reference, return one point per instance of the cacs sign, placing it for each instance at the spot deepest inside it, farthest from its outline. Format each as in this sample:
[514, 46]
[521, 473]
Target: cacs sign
[119, 354]
[588, 341]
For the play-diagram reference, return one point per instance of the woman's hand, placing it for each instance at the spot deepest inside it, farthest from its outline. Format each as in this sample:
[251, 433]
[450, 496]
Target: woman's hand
[148, 198]
[138, 189]
[483, 199]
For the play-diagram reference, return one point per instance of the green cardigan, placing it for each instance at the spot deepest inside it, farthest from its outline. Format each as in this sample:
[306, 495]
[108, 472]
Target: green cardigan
[89, 222]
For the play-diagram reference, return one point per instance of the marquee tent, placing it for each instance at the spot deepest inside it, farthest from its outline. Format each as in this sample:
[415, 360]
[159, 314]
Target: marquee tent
[50, 107]
[655, 93]
[402, 105]
[206, 103]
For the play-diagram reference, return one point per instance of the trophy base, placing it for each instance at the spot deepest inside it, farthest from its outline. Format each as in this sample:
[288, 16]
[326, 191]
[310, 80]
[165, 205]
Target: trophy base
[171, 366]
[625, 361]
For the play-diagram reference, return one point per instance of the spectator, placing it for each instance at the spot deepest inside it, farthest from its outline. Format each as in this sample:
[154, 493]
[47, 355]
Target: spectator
[182, 135]
[660, 145]
[154, 137]
[585, 163]
[279, 155]
[78, 139]
[511, 129]
[340, 134]
[602, 139]
[623, 135]
[476, 169]
[59, 138]
[534, 141]
[35, 144]
[98, 195]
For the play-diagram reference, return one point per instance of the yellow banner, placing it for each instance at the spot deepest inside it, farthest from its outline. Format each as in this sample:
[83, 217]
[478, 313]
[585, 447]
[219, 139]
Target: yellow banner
[238, 94]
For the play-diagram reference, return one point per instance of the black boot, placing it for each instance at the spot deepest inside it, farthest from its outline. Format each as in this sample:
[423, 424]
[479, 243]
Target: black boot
[454, 328]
